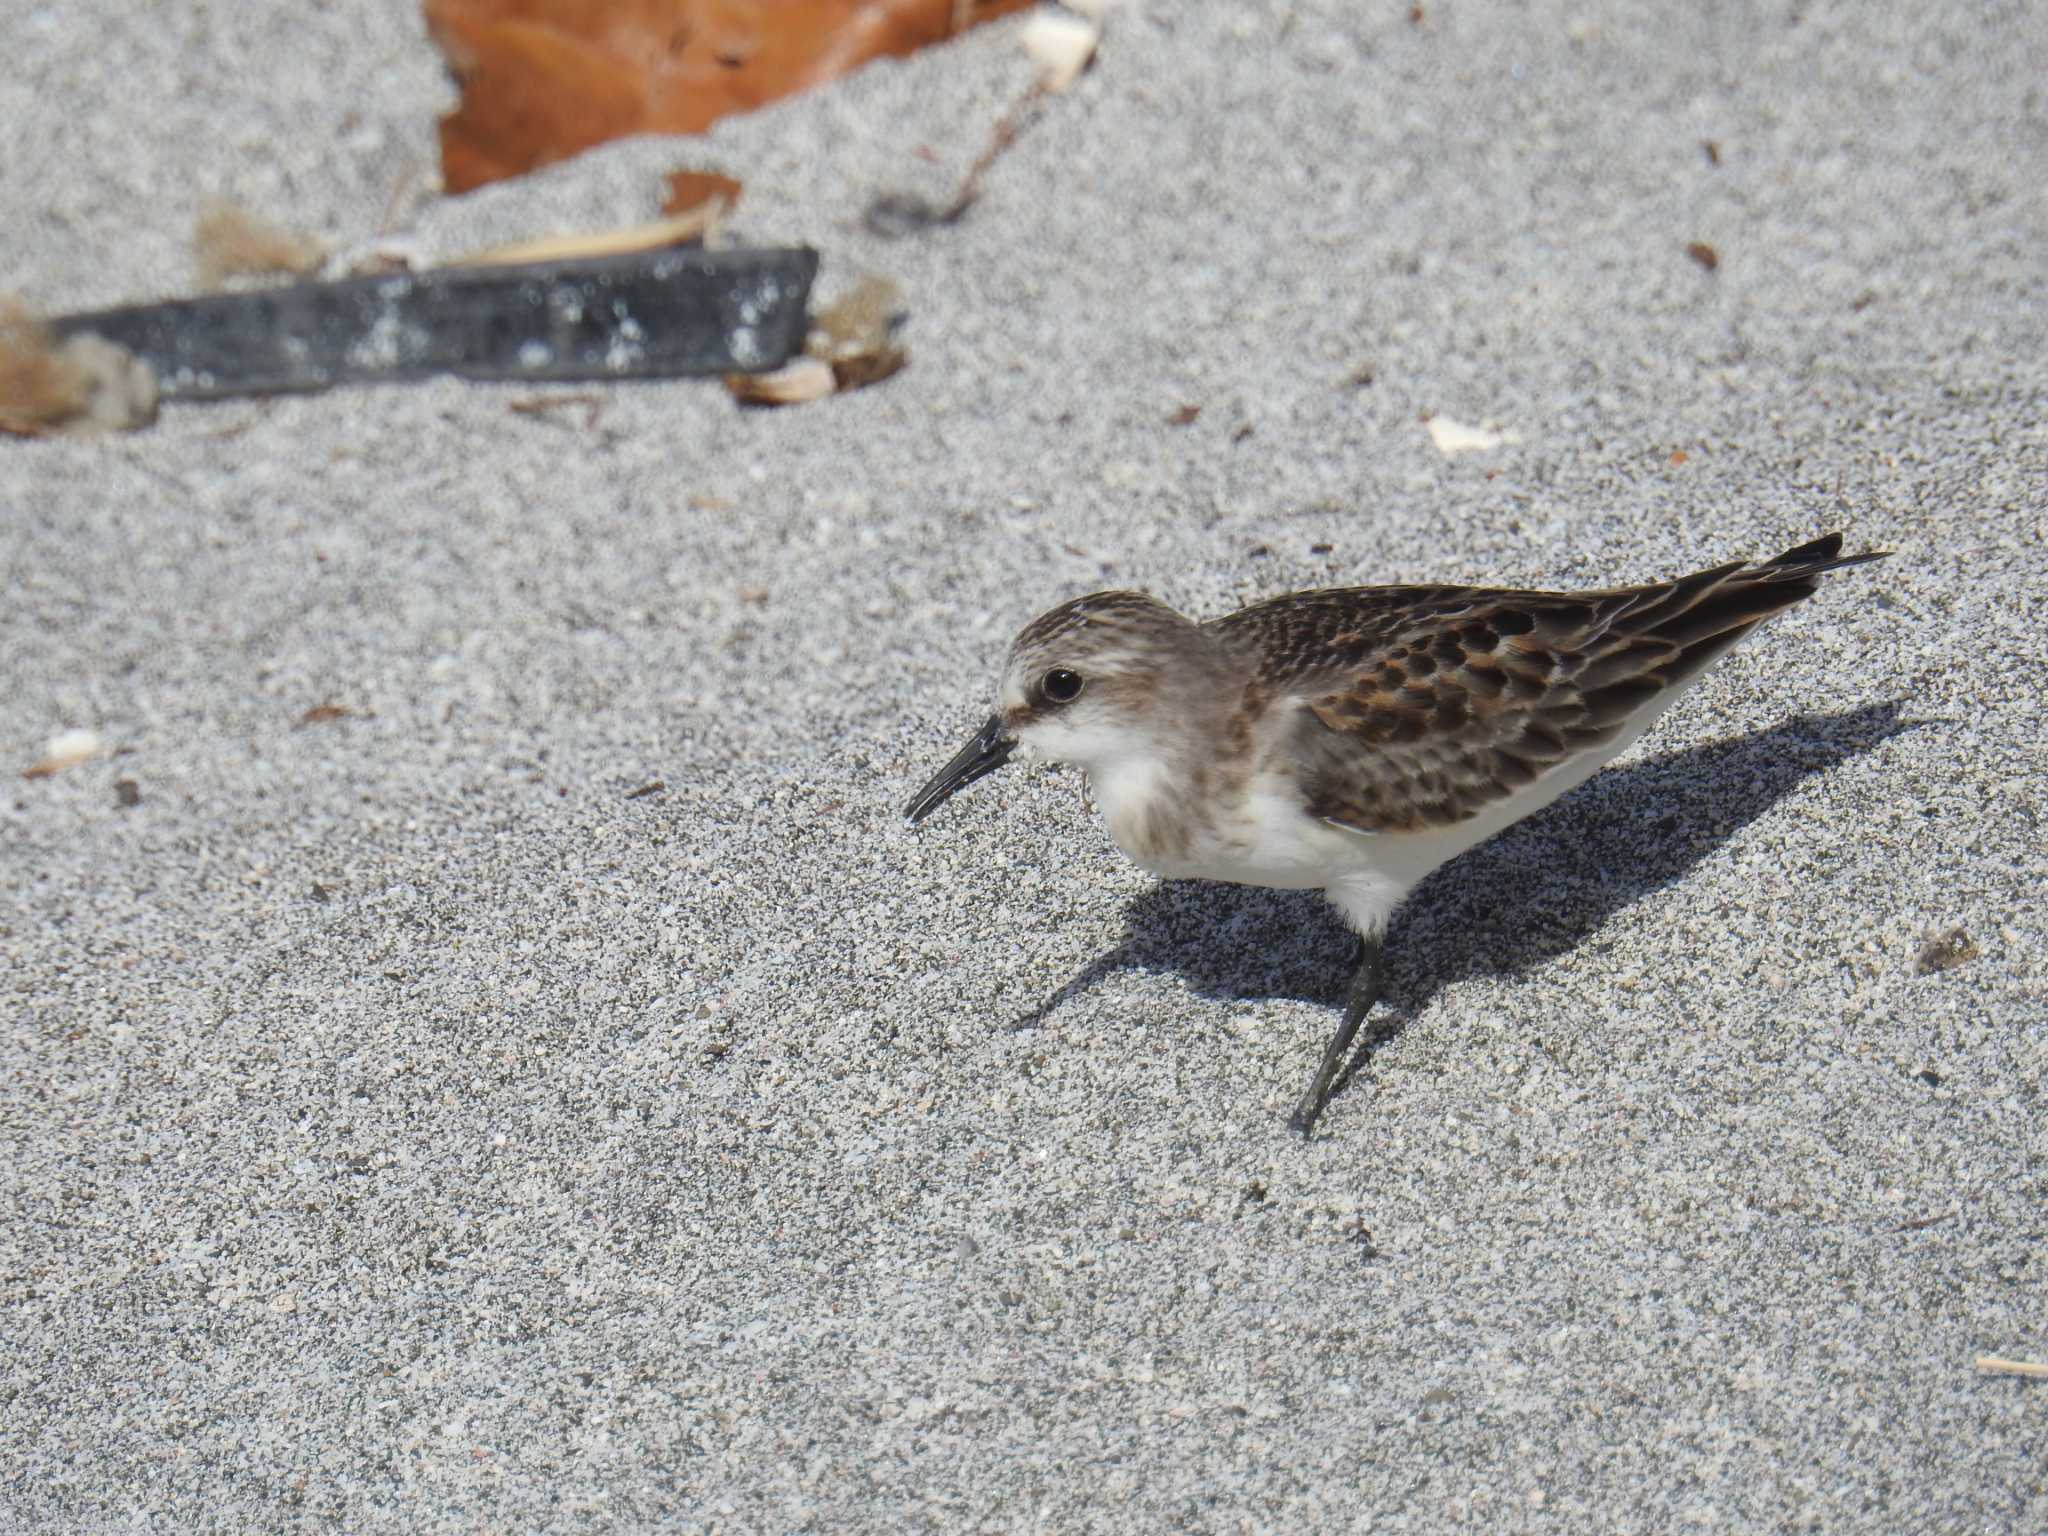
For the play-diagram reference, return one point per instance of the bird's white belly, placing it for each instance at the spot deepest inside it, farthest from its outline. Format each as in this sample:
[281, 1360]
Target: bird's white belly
[1264, 839]
[1268, 839]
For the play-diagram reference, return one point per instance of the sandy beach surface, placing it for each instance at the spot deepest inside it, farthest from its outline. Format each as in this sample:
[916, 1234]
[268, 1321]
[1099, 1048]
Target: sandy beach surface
[407, 1125]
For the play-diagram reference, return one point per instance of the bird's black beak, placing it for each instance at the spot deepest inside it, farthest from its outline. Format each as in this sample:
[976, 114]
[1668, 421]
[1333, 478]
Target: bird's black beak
[982, 756]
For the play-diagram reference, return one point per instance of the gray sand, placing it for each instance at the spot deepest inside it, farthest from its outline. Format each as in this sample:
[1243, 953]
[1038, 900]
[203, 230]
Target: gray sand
[405, 1129]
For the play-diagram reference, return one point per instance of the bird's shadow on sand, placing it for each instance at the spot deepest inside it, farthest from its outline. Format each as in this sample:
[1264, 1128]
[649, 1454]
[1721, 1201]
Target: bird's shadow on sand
[1525, 897]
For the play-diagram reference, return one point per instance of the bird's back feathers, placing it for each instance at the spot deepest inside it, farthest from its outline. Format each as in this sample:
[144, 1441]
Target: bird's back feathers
[1419, 706]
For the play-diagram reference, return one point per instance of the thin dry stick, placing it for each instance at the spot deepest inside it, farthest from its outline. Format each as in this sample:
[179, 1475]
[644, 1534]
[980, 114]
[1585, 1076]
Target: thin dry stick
[591, 403]
[1007, 128]
[900, 213]
[401, 189]
[691, 224]
[1992, 1365]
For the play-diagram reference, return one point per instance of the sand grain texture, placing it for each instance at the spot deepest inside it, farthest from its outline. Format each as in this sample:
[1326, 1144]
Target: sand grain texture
[405, 1126]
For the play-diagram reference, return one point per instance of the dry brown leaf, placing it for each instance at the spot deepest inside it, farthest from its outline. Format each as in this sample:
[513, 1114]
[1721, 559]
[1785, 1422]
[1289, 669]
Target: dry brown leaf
[39, 387]
[231, 242]
[80, 385]
[544, 79]
[849, 347]
[688, 190]
[853, 332]
[865, 368]
[857, 321]
[794, 383]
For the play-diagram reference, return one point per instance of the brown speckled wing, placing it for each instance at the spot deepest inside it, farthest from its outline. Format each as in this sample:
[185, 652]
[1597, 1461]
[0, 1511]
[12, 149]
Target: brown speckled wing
[1422, 705]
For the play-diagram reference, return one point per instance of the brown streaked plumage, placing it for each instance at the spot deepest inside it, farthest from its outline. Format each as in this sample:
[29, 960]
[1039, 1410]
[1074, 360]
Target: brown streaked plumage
[1354, 739]
[1460, 696]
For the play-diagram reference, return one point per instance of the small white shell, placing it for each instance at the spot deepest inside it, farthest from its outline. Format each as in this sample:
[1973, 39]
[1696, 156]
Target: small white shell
[1061, 44]
[1454, 437]
[807, 378]
[66, 749]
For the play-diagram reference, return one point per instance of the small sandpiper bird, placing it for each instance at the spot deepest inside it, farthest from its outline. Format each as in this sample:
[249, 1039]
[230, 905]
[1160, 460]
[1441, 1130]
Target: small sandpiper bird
[1352, 740]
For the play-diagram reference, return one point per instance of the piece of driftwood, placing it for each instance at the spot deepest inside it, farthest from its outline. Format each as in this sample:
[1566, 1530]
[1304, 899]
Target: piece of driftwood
[649, 314]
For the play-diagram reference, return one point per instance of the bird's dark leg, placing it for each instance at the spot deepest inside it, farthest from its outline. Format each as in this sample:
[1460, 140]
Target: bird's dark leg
[1367, 982]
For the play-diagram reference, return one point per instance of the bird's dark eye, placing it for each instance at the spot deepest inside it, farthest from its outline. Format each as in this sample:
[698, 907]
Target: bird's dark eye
[1062, 686]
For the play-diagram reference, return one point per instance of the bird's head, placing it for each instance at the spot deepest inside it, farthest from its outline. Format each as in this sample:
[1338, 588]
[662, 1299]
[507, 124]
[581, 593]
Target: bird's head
[1086, 684]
